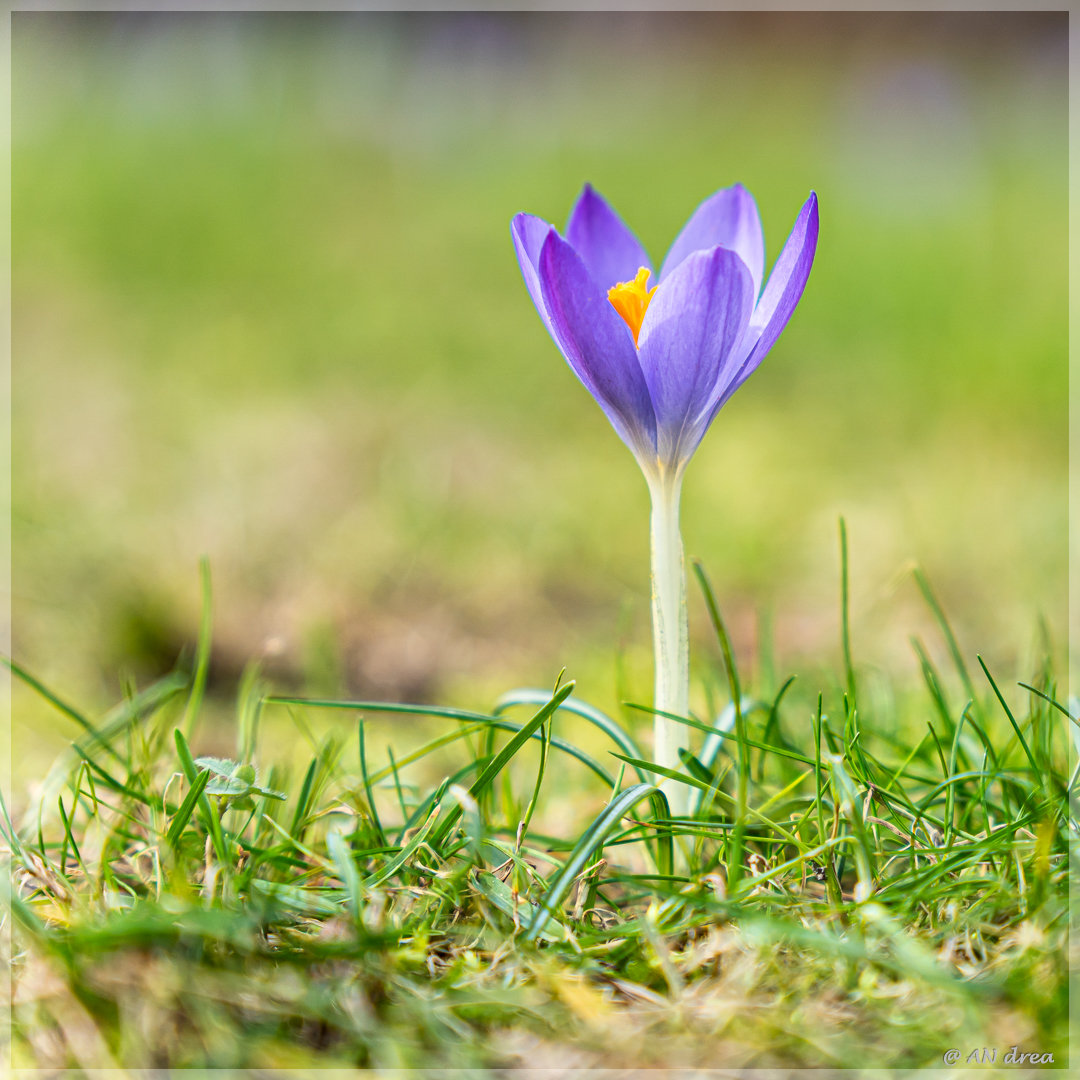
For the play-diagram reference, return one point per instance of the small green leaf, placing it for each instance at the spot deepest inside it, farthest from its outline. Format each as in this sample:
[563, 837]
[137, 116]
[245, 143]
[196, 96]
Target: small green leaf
[220, 766]
[221, 785]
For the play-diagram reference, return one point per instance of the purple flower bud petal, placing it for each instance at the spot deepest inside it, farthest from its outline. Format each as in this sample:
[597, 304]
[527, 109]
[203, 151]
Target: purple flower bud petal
[782, 293]
[529, 233]
[597, 344]
[608, 248]
[688, 344]
[728, 219]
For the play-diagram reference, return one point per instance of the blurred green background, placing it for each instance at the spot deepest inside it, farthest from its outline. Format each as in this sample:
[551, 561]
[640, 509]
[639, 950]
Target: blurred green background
[266, 309]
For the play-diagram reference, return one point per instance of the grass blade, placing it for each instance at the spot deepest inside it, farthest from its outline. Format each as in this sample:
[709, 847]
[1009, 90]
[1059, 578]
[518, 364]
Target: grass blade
[345, 866]
[614, 730]
[501, 760]
[946, 630]
[1012, 719]
[183, 814]
[590, 842]
[210, 816]
[406, 853]
[202, 652]
[845, 614]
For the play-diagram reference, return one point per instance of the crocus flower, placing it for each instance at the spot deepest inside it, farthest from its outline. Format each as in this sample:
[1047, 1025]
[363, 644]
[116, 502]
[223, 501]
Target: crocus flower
[661, 360]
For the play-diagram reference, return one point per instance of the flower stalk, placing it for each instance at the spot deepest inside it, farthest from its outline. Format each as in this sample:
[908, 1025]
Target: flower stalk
[670, 633]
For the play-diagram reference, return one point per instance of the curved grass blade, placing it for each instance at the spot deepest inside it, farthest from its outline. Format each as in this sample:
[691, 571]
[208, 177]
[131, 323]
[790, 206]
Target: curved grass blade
[501, 760]
[105, 778]
[1051, 701]
[849, 800]
[770, 748]
[721, 634]
[614, 731]
[946, 630]
[714, 741]
[444, 713]
[115, 722]
[665, 839]
[590, 842]
[1012, 719]
[502, 725]
[378, 706]
[773, 721]
[57, 702]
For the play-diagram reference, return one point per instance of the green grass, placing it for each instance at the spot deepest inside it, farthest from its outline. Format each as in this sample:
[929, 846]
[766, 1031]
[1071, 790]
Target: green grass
[865, 880]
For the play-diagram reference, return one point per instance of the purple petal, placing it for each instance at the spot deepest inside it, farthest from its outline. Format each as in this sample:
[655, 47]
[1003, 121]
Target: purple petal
[529, 233]
[597, 344]
[608, 248]
[688, 342]
[727, 219]
[782, 293]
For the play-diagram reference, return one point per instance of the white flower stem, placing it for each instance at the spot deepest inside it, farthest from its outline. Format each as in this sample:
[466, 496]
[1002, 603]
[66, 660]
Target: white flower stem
[670, 634]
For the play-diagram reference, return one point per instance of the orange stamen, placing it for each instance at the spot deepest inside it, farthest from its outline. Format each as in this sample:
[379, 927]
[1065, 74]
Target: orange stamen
[631, 300]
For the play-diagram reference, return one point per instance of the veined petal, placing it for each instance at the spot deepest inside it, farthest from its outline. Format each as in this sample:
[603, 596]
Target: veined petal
[782, 293]
[688, 341]
[597, 344]
[529, 233]
[727, 219]
[610, 251]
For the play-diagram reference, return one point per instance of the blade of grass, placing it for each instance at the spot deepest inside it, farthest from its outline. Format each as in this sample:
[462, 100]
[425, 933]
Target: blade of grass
[53, 699]
[209, 812]
[202, 652]
[526, 819]
[947, 632]
[386, 872]
[501, 759]
[447, 714]
[187, 807]
[1012, 719]
[345, 866]
[535, 696]
[845, 615]
[591, 840]
[375, 820]
[299, 821]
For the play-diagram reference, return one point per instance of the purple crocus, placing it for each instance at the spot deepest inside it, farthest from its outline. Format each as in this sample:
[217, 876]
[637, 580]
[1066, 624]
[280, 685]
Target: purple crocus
[661, 362]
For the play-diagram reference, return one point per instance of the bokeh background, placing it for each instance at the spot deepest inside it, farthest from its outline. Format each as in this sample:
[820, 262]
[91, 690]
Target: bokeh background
[266, 310]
